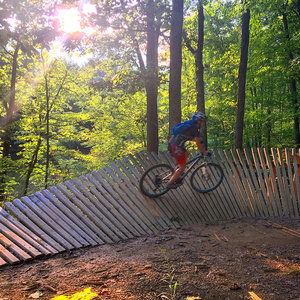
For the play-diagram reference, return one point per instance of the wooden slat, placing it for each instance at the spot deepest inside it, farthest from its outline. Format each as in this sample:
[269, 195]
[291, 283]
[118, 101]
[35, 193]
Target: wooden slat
[261, 183]
[263, 211]
[127, 219]
[245, 181]
[267, 183]
[291, 183]
[227, 186]
[296, 177]
[131, 176]
[131, 196]
[137, 170]
[64, 220]
[274, 183]
[72, 219]
[160, 213]
[181, 212]
[9, 244]
[108, 218]
[20, 242]
[25, 233]
[122, 223]
[2, 262]
[244, 167]
[189, 193]
[82, 220]
[7, 255]
[183, 191]
[104, 232]
[136, 211]
[284, 199]
[43, 225]
[236, 184]
[50, 221]
[36, 228]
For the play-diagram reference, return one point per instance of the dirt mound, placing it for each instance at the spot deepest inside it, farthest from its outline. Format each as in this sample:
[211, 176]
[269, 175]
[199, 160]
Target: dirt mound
[212, 261]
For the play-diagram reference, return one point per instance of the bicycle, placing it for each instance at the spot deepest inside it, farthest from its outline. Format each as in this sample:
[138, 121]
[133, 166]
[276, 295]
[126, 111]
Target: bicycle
[205, 178]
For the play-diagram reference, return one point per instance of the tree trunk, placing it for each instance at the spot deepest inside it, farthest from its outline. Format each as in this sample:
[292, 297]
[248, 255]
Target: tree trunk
[47, 131]
[242, 79]
[199, 67]
[293, 85]
[32, 165]
[175, 64]
[151, 79]
[6, 138]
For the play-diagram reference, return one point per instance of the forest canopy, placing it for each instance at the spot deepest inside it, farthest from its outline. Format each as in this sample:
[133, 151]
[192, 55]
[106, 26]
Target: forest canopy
[83, 83]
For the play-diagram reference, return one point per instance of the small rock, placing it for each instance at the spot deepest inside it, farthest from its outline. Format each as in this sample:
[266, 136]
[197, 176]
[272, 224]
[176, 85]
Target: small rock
[36, 295]
[235, 287]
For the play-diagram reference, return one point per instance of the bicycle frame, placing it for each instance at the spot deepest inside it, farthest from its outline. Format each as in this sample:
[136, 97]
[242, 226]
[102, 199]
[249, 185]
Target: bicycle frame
[192, 162]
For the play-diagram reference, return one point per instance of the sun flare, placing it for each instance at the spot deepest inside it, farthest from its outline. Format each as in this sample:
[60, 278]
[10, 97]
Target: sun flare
[76, 19]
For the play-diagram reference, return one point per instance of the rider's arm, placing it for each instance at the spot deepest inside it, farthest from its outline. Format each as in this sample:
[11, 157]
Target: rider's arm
[199, 145]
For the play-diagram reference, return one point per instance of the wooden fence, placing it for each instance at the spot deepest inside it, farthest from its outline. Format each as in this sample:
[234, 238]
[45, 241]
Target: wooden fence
[106, 206]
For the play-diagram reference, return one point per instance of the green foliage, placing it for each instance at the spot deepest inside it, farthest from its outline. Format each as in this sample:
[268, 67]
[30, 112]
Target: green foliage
[168, 277]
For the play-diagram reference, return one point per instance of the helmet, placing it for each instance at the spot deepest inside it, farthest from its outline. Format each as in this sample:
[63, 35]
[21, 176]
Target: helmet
[199, 116]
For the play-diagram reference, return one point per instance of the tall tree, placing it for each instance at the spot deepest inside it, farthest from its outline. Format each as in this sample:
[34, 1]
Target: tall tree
[239, 127]
[198, 53]
[175, 63]
[151, 78]
[293, 83]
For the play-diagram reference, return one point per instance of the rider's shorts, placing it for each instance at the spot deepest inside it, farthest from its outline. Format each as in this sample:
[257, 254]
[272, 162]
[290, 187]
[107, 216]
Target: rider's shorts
[178, 153]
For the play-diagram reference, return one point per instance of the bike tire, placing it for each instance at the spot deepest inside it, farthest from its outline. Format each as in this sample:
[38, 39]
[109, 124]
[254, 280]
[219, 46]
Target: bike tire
[214, 179]
[148, 184]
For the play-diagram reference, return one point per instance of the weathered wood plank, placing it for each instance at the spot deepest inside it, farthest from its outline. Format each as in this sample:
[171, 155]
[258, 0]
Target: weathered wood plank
[246, 183]
[260, 203]
[131, 196]
[274, 185]
[56, 230]
[103, 231]
[126, 218]
[296, 177]
[72, 220]
[238, 185]
[28, 235]
[133, 186]
[36, 228]
[137, 170]
[232, 197]
[120, 221]
[7, 255]
[108, 218]
[284, 196]
[180, 212]
[2, 262]
[261, 182]
[182, 191]
[19, 242]
[9, 244]
[192, 195]
[291, 183]
[64, 220]
[83, 221]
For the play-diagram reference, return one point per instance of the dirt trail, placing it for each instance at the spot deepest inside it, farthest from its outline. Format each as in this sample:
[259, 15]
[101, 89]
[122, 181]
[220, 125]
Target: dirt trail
[212, 261]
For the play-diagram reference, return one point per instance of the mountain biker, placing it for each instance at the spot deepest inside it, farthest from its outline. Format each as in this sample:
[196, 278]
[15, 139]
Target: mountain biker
[183, 132]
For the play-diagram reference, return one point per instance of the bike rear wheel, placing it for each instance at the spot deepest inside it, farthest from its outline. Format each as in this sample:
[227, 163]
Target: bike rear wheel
[207, 177]
[153, 182]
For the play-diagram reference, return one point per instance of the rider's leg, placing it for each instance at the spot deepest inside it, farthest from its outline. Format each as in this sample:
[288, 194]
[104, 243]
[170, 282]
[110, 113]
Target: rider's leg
[181, 164]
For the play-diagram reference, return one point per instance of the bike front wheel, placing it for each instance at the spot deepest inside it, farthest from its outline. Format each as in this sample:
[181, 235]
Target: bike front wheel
[207, 177]
[153, 182]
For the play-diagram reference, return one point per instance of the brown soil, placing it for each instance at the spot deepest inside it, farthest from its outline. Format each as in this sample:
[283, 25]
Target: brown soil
[212, 261]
